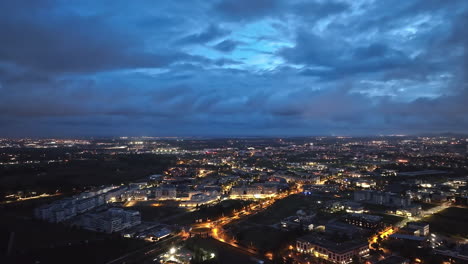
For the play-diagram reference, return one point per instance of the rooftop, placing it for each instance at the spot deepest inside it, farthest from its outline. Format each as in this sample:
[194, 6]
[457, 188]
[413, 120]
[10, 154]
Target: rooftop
[339, 248]
[393, 260]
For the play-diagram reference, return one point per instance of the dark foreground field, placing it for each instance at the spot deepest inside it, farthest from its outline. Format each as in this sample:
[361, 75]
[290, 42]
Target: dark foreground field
[452, 221]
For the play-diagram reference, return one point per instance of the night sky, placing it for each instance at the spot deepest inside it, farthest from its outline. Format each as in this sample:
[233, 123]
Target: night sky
[232, 67]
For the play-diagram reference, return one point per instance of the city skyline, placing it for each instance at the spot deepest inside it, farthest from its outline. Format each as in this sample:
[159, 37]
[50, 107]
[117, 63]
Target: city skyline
[233, 68]
[342, 200]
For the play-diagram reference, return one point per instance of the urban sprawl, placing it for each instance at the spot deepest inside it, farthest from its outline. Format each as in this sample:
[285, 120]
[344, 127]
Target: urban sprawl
[387, 199]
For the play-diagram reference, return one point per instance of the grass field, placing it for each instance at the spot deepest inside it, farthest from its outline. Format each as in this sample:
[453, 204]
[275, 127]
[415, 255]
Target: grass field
[224, 253]
[376, 208]
[95, 171]
[56, 243]
[390, 219]
[452, 221]
[284, 208]
[25, 208]
[265, 238]
[152, 211]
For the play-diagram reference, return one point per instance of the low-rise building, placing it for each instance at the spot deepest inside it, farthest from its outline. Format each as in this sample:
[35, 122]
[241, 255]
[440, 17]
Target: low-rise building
[423, 227]
[67, 208]
[353, 207]
[393, 260]
[343, 229]
[364, 220]
[110, 221]
[383, 198]
[165, 192]
[322, 247]
[298, 221]
[259, 190]
[199, 198]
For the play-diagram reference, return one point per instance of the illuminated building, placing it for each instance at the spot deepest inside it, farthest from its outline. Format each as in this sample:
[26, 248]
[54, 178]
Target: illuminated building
[423, 227]
[383, 198]
[110, 221]
[165, 192]
[255, 191]
[321, 247]
[363, 220]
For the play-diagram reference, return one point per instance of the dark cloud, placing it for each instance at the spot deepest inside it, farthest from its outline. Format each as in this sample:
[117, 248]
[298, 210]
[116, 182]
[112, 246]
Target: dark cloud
[227, 45]
[315, 9]
[224, 61]
[233, 67]
[396, 14]
[74, 44]
[312, 49]
[246, 9]
[332, 58]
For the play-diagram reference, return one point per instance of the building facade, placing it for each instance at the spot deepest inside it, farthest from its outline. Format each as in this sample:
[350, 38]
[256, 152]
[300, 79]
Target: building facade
[341, 253]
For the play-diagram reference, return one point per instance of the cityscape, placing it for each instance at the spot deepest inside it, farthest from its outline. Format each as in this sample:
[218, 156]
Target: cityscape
[234, 132]
[386, 199]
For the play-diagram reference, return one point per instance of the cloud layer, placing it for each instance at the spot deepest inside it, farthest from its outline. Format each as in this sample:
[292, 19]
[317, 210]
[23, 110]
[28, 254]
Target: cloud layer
[233, 68]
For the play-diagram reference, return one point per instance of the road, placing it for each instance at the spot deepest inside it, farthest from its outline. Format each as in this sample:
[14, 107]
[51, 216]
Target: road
[218, 225]
[18, 200]
[428, 212]
[390, 230]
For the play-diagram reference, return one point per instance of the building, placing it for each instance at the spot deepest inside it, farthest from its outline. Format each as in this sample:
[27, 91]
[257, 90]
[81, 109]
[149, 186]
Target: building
[115, 194]
[343, 229]
[400, 236]
[256, 191]
[165, 192]
[300, 220]
[110, 221]
[413, 231]
[412, 210]
[320, 188]
[67, 208]
[409, 231]
[387, 173]
[365, 184]
[303, 178]
[158, 234]
[56, 212]
[199, 198]
[423, 227]
[136, 194]
[364, 220]
[383, 198]
[393, 260]
[341, 253]
[353, 207]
